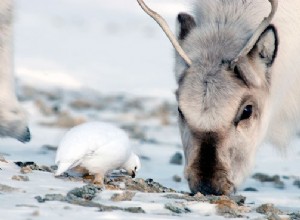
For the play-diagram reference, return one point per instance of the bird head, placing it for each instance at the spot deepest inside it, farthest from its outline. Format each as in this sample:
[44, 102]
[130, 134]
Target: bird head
[132, 165]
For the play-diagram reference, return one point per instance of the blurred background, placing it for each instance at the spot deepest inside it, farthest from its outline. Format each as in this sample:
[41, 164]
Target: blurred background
[109, 46]
[79, 61]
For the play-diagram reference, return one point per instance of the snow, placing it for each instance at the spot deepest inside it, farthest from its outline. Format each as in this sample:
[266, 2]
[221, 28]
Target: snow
[71, 47]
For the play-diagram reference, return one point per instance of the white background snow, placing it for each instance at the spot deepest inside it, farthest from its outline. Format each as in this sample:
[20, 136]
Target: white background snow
[114, 48]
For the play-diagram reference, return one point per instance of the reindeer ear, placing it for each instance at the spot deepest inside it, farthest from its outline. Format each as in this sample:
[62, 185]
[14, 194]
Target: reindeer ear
[186, 23]
[266, 47]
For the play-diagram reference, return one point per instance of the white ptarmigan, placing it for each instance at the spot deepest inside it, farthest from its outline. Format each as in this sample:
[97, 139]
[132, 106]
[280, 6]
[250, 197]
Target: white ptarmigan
[98, 147]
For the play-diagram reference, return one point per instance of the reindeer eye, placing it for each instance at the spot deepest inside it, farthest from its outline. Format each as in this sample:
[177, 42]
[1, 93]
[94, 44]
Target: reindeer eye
[247, 112]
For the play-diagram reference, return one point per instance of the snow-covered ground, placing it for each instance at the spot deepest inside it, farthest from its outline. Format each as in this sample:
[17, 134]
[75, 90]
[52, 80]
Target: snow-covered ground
[106, 60]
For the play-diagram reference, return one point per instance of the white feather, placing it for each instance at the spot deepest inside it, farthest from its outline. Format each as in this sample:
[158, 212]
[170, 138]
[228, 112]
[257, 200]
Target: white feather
[96, 146]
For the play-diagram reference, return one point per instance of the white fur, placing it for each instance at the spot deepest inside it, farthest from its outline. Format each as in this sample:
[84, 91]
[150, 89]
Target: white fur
[13, 118]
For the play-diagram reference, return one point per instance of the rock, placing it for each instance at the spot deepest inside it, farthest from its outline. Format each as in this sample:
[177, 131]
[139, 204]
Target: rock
[124, 196]
[250, 189]
[7, 189]
[177, 159]
[294, 216]
[240, 200]
[35, 213]
[81, 104]
[273, 217]
[87, 192]
[227, 208]
[297, 183]
[65, 120]
[20, 178]
[45, 109]
[176, 178]
[268, 209]
[49, 147]
[2, 159]
[266, 178]
[177, 208]
[50, 197]
[25, 170]
[24, 164]
[82, 197]
[34, 166]
[138, 184]
[134, 210]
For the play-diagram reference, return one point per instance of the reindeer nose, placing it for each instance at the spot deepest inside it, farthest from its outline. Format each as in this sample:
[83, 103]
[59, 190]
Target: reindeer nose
[26, 136]
[204, 187]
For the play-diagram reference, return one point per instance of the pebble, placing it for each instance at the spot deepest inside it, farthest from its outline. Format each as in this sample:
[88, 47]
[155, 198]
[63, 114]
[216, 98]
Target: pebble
[25, 170]
[7, 189]
[177, 159]
[177, 179]
[266, 178]
[177, 208]
[2, 159]
[87, 192]
[297, 183]
[268, 209]
[250, 189]
[20, 178]
[124, 196]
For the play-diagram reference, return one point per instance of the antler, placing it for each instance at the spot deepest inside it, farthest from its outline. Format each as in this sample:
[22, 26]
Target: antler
[264, 24]
[163, 24]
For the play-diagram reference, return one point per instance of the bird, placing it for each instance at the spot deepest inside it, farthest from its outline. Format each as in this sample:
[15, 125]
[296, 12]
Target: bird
[98, 147]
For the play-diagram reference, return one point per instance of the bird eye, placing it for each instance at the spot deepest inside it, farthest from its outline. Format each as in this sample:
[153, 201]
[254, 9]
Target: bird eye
[135, 167]
[247, 112]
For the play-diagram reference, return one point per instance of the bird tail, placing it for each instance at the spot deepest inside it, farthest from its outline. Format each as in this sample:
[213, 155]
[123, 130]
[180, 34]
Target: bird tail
[62, 167]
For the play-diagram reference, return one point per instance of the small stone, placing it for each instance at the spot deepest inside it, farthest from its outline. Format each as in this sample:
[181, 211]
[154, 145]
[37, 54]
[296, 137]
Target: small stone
[87, 192]
[25, 170]
[265, 178]
[176, 178]
[297, 183]
[7, 189]
[227, 208]
[177, 159]
[274, 216]
[35, 213]
[125, 196]
[49, 147]
[177, 208]
[240, 200]
[39, 199]
[268, 209]
[2, 159]
[134, 210]
[54, 197]
[20, 178]
[250, 189]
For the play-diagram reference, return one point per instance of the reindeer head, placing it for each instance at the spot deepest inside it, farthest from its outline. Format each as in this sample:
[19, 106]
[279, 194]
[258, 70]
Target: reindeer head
[223, 90]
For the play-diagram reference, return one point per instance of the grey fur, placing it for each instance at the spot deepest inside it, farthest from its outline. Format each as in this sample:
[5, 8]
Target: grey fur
[212, 97]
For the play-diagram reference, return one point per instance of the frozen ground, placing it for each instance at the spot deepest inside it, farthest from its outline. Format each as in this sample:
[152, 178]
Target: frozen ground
[105, 60]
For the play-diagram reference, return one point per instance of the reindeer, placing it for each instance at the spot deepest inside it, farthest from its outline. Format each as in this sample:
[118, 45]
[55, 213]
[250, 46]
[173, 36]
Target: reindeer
[238, 80]
[13, 119]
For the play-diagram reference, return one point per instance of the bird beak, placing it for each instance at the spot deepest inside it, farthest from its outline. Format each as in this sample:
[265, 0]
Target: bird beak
[133, 174]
